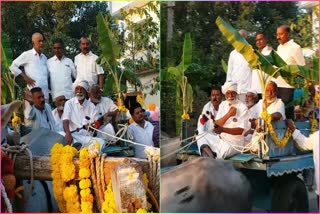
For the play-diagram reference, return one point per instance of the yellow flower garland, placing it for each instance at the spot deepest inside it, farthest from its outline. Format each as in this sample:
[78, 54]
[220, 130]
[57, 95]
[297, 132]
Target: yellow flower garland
[85, 182]
[70, 195]
[57, 182]
[314, 123]
[280, 143]
[16, 121]
[109, 204]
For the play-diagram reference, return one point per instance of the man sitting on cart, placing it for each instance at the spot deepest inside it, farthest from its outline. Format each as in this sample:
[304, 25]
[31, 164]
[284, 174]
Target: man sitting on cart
[229, 125]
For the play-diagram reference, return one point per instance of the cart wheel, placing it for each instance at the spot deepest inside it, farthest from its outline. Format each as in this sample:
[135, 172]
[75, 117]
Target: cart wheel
[290, 195]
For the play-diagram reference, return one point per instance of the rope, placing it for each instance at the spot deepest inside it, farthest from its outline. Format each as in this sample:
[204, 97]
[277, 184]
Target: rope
[18, 149]
[6, 199]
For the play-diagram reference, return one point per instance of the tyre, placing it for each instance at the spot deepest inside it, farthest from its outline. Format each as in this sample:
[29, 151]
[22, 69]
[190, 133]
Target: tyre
[290, 195]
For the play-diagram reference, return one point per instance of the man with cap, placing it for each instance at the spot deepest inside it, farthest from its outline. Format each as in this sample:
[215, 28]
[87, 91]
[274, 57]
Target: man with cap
[251, 101]
[229, 125]
[275, 106]
[239, 71]
[57, 113]
[106, 110]
[78, 112]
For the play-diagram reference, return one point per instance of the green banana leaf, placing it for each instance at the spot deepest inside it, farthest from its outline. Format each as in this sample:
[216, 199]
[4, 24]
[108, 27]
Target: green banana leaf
[238, 42]
[224, 66]
[187, 52]
[110, 50]
[6, 52]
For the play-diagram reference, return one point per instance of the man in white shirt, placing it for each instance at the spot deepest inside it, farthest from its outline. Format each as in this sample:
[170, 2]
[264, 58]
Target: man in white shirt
[308, 143]
[38, 113]
[140, 131]
[35, 72]
[265, 49]
[229, 125]
[57, 113]
[61, 71]
[86, 65]
[274, 105]
[77, 113]
[35, 66]
[239, 71]
[209, 111]
[251, 101]
[106, 110]
[288, 50]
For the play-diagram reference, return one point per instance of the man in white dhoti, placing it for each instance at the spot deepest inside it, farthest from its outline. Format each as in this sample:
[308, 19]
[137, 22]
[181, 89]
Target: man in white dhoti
[229, 126]
[77, 113]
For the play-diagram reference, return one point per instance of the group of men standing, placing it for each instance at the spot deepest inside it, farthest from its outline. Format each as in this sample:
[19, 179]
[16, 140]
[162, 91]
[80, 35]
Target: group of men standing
[76, 90]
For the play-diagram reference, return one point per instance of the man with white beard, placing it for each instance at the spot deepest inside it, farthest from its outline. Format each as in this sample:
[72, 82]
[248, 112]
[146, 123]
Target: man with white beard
[78, 112]
[229, 125]
[59, 102]
[106, 110]
[275, 106]
[251, 101]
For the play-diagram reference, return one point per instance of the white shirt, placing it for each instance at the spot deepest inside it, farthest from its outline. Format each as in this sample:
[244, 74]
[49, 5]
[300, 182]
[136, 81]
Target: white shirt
[209, 125]
[39, 118]
[276, 106]
[291, 53]
[255, 82]
[106, 105]
[310, 143]
[60, 72]
[237, 121]
[239, 71]
[76, 114]
[87, 68]
[142, 136]
[35, 67]
[58, 120]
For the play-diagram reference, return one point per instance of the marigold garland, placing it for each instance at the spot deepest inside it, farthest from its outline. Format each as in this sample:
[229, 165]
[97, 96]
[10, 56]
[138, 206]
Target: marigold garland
[85, 182]
[70, 195]
[314, 123]
[16, 121]
[280, 143]
[57, 182]
[109, 204]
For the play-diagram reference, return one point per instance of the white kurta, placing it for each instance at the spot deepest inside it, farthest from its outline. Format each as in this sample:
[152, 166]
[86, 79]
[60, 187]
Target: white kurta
[61, 73]
[35, 67]
[209, 125]
[106, 105]
[76, 114]
[221, 143]
[310, 143]
[141, 135]
[87, 68]
[292, 54]
[276, 106]
[58, 120]
[239, 71]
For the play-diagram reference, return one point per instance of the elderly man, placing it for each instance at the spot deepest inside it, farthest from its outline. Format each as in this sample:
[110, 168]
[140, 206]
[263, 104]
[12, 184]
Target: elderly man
[265, 49]
[239, 71]
[251, 101]
[209, 111]
[61, 71]
[106, 110]
[140, 131]
[229, 125]
[57, 113]
[38, 113]
[35, 72]
[86, 65]
[78, 112]
[274, 105]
